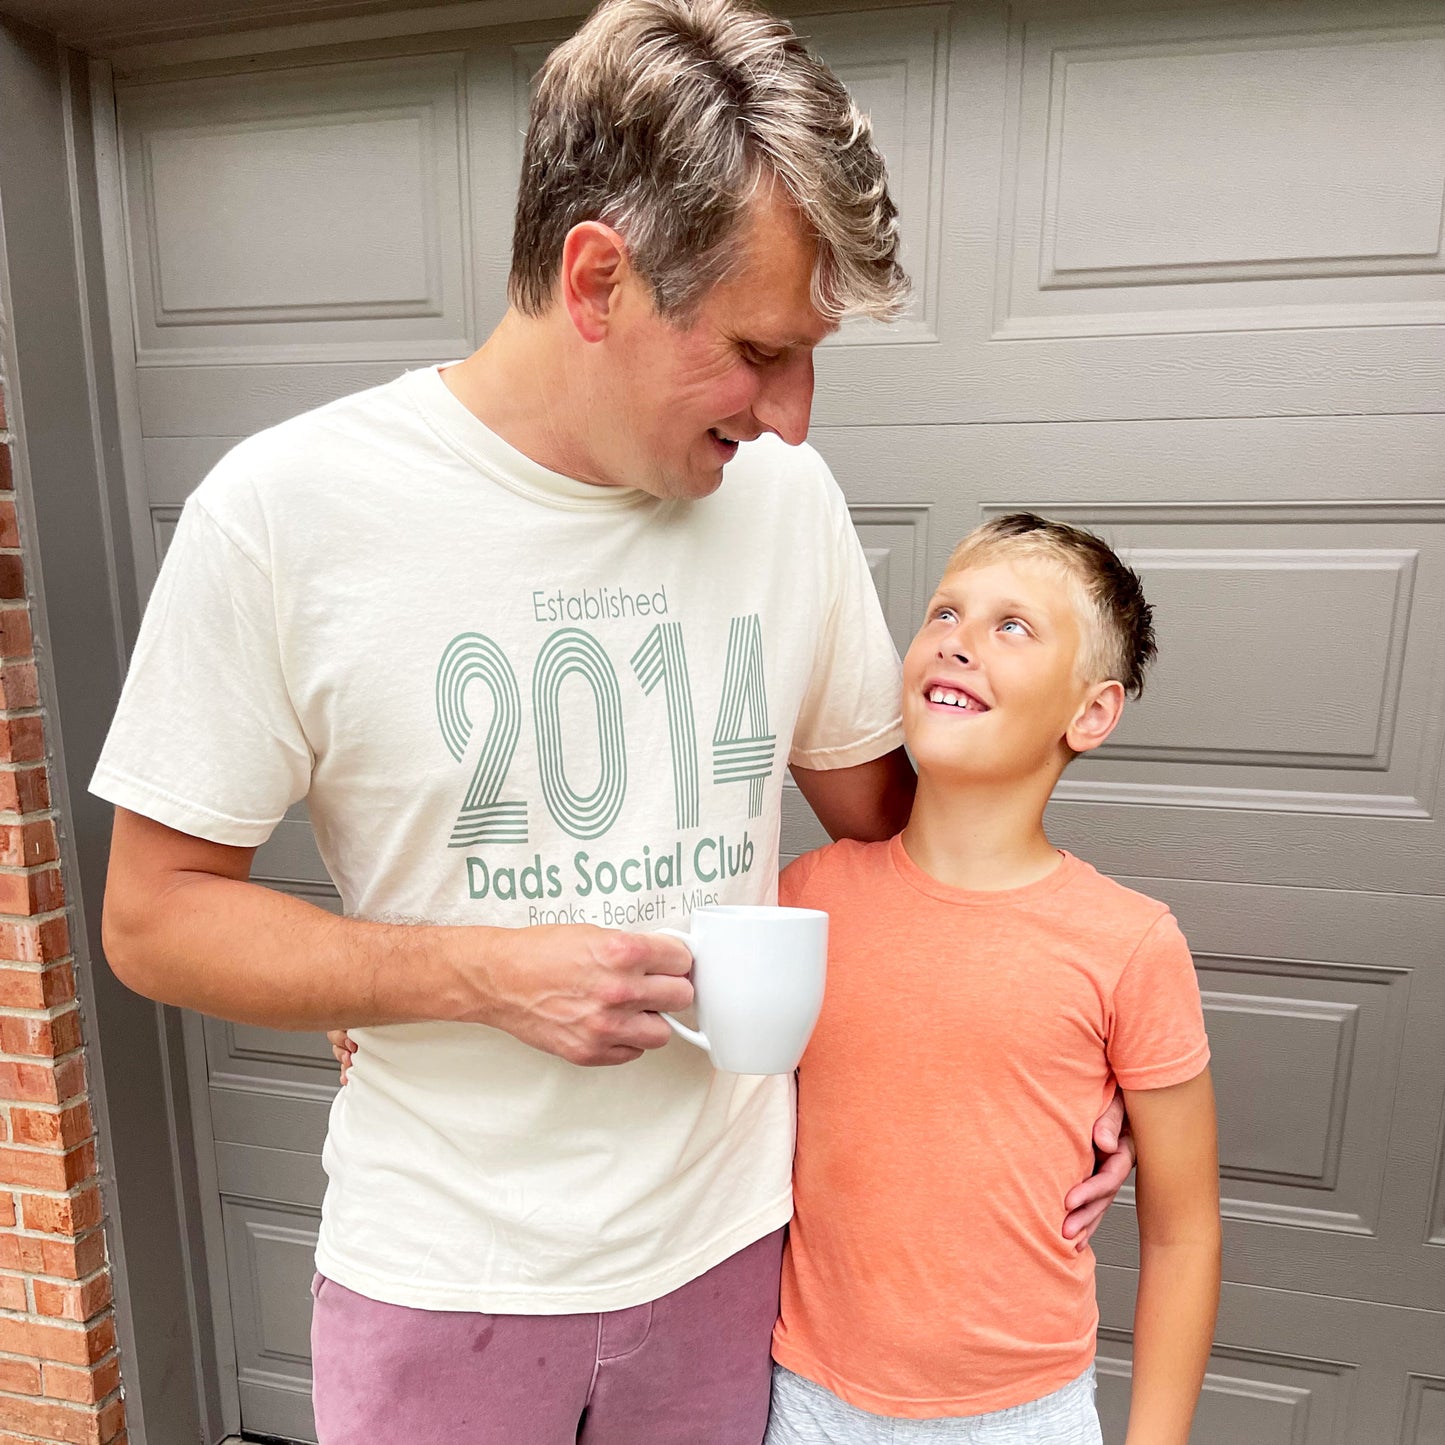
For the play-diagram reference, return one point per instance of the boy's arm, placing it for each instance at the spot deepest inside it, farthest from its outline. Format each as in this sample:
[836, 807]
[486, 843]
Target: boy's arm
[1179, 1241]
[868, 802]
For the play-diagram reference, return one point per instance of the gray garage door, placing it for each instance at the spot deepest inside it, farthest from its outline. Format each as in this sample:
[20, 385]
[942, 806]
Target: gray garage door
[1180, 278]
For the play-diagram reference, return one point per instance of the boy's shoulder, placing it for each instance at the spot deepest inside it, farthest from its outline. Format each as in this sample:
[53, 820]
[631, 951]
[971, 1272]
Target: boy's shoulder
[1109, 895]
[827, 867]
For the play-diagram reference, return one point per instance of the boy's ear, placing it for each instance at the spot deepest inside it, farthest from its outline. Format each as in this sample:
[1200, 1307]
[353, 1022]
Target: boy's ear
[1097, 718]
[594, 263]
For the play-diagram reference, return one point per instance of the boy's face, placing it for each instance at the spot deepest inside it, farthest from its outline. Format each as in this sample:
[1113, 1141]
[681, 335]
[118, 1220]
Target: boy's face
[991, 690]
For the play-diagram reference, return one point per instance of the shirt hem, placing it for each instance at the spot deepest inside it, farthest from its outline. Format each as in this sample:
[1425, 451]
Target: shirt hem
[864, 750]
[1163, 1076]
[185, 817]
[482, 1300]
[1021, 1392]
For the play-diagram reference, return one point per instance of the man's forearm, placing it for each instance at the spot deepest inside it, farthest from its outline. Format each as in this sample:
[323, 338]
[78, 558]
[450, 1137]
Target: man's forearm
[1173, 1328]
[248, 953]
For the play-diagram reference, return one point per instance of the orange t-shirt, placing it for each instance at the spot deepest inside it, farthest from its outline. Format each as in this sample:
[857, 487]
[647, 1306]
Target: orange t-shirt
[968, 1041]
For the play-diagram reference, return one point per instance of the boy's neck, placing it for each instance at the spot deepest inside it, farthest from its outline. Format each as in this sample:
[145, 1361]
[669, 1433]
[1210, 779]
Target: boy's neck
[980, 836]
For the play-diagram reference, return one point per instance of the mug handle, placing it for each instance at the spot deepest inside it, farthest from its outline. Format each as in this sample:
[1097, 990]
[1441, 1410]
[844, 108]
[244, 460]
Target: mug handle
[693, 1036]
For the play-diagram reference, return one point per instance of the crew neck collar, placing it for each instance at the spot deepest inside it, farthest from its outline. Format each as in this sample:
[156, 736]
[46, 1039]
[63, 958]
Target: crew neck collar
[501, 462]
[910, 873]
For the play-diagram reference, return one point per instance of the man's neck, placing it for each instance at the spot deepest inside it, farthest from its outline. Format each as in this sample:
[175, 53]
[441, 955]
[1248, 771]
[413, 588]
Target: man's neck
[980, 836]
[520, 384]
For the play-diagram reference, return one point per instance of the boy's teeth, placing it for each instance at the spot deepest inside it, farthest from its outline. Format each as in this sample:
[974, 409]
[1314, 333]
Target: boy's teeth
[953, 699]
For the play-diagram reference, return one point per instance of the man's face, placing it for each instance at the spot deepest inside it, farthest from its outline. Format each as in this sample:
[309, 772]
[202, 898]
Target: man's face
[990, 683]
[683, 396]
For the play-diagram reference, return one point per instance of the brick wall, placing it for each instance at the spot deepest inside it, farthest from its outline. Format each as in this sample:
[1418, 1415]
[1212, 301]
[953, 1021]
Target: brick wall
[59, 1368]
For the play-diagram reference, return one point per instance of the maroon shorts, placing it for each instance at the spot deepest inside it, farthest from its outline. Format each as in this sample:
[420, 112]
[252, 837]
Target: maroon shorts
[691, 1368]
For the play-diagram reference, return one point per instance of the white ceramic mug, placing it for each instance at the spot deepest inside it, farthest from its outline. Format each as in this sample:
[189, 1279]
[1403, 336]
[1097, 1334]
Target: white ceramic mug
[757, 978]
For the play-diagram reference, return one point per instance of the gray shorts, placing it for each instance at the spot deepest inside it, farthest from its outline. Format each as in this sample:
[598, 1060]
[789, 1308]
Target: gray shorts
[806, 1414]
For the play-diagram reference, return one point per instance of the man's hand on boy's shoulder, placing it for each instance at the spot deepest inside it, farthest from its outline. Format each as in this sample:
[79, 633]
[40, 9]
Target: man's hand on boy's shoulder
[1088, 1200]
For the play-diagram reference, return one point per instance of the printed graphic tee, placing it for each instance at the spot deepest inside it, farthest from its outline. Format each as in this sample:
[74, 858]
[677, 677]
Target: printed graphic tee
[510, 698]
[946, 1103]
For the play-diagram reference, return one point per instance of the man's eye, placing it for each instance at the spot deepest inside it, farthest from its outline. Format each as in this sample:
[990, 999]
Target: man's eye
[757, 356]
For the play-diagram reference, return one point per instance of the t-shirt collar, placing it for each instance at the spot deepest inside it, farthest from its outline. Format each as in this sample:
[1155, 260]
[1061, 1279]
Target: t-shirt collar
[916, 878]
[477, 444]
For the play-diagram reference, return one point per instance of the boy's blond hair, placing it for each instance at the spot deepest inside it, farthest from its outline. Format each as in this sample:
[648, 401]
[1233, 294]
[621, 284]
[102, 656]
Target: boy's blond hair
[1117, 623]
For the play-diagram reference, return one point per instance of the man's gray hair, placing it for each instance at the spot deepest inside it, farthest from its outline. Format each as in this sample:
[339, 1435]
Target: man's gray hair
[664, 118]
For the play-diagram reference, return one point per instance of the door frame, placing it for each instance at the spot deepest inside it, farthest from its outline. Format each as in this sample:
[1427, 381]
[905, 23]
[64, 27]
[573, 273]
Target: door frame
[72, 417]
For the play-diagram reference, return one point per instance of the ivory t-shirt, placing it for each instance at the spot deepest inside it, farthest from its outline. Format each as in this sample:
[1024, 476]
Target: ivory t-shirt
[511, 698]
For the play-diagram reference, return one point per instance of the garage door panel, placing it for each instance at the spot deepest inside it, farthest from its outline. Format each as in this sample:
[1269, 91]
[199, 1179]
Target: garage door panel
[1323, 1013]
[1341, 1372]
[1297, 286]
[254, 201]
[1264, 1398]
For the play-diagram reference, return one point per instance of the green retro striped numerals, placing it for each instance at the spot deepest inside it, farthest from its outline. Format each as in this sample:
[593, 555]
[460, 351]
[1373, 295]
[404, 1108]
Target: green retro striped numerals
[473, 658]
[661, 658]
[744, 751]
[565, 652]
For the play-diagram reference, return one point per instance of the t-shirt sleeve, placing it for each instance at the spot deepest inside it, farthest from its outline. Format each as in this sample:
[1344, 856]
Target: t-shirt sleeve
[205, 738]
[793, 880]
[850, 713]
[1156, 1035]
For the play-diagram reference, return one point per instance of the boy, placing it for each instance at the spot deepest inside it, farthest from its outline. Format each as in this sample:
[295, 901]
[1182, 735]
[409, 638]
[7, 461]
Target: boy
[928, 1293]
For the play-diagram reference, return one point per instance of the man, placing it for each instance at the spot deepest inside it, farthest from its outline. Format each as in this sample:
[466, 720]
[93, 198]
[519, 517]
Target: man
[538, 677]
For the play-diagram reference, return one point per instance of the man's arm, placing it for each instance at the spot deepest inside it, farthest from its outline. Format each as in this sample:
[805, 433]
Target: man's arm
[869, 802]
[1179, 1246]
[183, 924]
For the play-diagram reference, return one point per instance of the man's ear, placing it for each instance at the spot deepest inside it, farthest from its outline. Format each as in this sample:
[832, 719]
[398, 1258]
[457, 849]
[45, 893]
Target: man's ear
[594, 263]
[1097, 718]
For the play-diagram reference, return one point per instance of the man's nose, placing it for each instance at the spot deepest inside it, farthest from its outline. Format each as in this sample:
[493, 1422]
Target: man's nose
[785, 405]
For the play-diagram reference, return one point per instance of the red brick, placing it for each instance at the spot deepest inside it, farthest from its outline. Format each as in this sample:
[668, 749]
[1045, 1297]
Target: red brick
[22, 739]
[51, 1037]
[68, 1258]
[34, 940]
[15, 636]
[69, 1214]
[12, 1293]
[112, 1422]
[7, 471]
[70, 1382]
[21, 1377]
[52, 1422]
[12, 575]
[75, 1300]
[32, 891]
[19, 685]
[41, 1169]
[4, 1129]
[63, 1128]
[37, 987]
[68, 1343]
[7, 1208]
[28, 844]
[9, 524]
[35, 1083]
[24, 789]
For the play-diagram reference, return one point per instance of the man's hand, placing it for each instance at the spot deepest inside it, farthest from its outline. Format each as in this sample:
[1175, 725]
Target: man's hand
[1087, 1202]
[589, 995]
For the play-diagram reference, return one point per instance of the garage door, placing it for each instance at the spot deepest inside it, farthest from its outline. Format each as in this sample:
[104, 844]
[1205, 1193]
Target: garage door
[1180, 279]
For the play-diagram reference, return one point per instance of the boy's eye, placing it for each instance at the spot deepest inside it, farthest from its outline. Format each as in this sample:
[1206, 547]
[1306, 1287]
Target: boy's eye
[945, 614]
[1013, 625]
